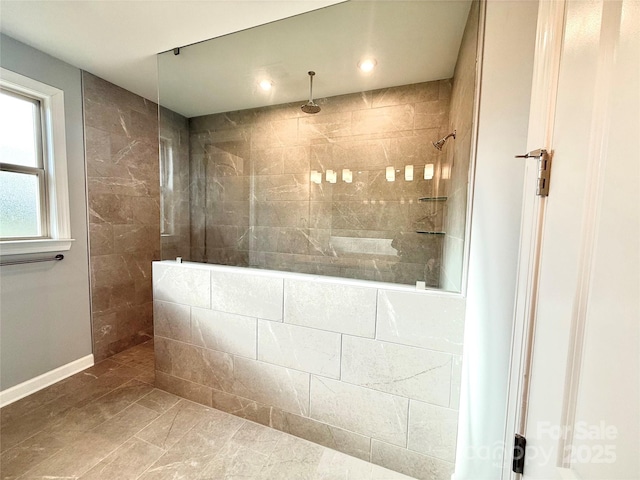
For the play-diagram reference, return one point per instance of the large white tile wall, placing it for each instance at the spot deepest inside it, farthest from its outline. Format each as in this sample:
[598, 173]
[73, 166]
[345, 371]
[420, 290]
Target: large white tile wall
[366, 368]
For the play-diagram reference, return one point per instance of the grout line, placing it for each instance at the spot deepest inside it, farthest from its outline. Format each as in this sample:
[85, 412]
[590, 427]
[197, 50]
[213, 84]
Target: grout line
[450, 381]
[145, 441]
[109, 452]
[408, 421]
[33, 466]
[375, 318]
[284, 286]
[309, 405]
[257, 336]
[149, 467]
[341, 354]
[321, 376]
[191, 336]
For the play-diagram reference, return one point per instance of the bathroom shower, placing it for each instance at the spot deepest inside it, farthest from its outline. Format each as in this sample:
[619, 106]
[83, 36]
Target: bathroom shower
[311, 106]
[355, 192]
[440, 143]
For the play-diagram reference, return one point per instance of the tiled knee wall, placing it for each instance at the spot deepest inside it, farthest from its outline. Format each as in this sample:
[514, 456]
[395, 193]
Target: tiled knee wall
[369, 371]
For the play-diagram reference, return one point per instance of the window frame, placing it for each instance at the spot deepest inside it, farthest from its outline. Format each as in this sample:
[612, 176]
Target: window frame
[38, 171]
[55, 216]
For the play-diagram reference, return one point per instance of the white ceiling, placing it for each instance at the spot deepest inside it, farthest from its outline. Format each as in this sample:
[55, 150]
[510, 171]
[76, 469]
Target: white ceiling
[119, 40]
[412, 41]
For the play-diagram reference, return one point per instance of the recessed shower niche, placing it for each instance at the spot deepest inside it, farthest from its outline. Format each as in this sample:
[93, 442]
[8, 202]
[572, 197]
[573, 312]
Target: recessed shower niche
[358, 189]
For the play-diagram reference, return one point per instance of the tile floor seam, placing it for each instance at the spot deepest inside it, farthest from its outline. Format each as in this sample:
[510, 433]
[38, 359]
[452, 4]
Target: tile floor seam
[281, 460]
[181, 436]
[145, 441]
[153, 463]
[111, 416]
[37, 463]
[134, 434]
[93, 465]
[218, 453]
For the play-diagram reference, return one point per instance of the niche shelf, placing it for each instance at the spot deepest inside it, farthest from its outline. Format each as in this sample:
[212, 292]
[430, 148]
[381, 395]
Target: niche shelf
[432, 199]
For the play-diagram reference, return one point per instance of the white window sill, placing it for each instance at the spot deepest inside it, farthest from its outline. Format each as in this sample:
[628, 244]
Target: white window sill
[22, 247]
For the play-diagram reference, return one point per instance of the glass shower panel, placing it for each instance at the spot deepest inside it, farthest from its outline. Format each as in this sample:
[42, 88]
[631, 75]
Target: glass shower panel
[175, 216]
[287, 191]
[357, 190]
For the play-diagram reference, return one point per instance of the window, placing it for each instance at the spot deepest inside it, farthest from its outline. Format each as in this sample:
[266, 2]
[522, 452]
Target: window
[23, 206]
[34, 205]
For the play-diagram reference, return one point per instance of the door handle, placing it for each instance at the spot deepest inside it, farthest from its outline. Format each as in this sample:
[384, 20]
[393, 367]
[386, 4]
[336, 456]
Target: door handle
[533, 154]
[544, 169]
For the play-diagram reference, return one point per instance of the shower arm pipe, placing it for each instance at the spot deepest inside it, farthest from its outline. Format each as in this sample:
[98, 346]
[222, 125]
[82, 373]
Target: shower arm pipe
[452, 134]
[311, 74]
[440, 143]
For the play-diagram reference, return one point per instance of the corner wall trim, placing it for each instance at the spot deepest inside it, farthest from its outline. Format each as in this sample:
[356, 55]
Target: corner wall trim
[23, 389]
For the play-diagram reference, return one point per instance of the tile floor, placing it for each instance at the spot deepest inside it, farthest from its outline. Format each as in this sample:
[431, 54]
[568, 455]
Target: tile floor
[110, 423]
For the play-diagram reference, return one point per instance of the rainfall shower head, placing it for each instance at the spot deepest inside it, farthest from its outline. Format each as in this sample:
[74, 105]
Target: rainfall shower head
[440, 143]
[311, 106]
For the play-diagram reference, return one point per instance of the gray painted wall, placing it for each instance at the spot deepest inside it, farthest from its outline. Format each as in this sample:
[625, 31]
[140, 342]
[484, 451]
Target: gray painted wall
[44, 307]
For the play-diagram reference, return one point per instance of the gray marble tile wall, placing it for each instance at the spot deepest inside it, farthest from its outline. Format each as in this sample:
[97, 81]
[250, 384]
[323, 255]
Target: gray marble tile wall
[364, 368]
[174, 185]
[121, 143]
[458, 154]
[253, 202]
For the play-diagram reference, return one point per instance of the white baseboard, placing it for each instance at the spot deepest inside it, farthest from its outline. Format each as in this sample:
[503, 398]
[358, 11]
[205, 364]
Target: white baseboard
[23, 389]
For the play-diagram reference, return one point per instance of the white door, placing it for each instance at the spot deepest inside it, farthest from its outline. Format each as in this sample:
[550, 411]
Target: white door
[576, 371]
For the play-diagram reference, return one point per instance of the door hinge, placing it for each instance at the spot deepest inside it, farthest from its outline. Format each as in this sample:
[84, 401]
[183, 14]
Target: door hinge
[519, 450]
[544, 169]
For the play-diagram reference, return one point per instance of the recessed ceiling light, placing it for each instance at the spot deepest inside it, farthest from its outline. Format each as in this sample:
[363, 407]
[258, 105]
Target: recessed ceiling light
[266, 85]
[367, 65]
